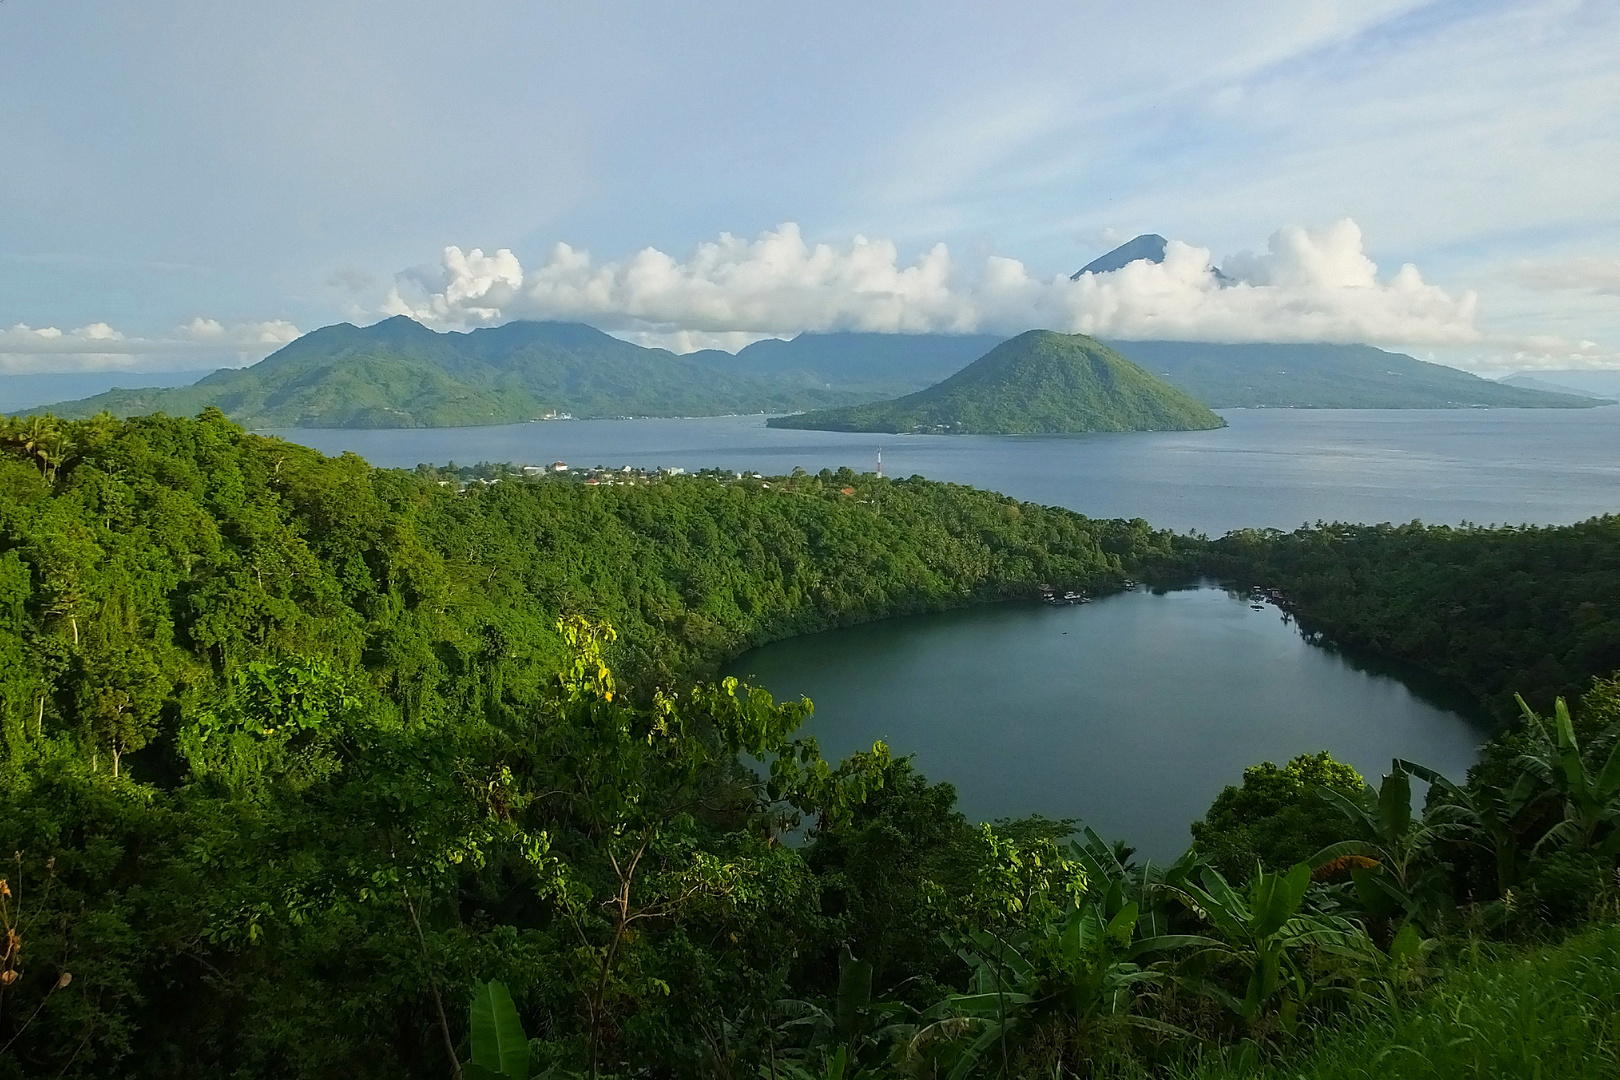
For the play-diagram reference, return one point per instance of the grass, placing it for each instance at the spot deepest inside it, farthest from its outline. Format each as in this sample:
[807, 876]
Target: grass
[1542, 1013]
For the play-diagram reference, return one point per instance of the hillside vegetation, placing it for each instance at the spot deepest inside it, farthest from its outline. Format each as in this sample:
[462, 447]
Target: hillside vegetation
[1038, 383]
[1328, 377]
[1495, 611]
[315, 770]
[1546, 1011]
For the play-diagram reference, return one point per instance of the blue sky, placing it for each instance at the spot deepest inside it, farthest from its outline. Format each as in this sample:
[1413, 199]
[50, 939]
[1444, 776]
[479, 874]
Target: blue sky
[191, 183]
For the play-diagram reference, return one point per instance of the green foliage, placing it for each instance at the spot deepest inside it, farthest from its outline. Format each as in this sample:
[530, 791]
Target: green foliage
[1547, 1012]
[1586, 780]
[1277, 946]
[293, 752]
[1389, 855]
[1492, 611]
[1042, 1000]
[499, 1046]
[1037, 383]
[1275, 818]
[280, 721]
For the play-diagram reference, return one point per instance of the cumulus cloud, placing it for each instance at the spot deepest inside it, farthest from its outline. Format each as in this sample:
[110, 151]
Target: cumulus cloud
[1307, 286]
[201, 343]
[1589, 274]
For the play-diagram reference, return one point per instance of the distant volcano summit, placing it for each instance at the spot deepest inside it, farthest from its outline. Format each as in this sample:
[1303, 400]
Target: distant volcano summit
[1148, 246]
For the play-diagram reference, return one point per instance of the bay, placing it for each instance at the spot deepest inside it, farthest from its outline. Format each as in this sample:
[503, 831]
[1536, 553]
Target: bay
[1130, 713]
[1275, 468]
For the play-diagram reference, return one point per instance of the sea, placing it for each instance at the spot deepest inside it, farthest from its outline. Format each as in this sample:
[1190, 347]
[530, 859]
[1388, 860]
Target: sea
[1269, 468]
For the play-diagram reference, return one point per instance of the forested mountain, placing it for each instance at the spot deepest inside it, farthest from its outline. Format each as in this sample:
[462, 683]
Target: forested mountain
[1038, 383]
[1327, 377]
[299, 757]
[398, 373]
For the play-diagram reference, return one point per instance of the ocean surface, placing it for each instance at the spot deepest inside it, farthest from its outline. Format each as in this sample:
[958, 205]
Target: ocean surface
[1274, 468]
[1129, 714]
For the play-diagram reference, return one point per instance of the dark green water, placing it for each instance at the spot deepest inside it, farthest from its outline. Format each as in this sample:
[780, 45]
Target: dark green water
[1130, 713]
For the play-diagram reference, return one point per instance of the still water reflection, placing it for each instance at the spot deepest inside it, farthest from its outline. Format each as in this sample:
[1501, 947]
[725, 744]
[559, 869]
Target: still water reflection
[1130, 713]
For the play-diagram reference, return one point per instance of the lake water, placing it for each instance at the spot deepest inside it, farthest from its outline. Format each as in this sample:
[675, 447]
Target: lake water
[1130, 713]
[1276, 467]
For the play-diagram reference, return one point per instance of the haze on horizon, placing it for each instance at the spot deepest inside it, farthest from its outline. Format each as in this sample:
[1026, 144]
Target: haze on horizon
[190, 185]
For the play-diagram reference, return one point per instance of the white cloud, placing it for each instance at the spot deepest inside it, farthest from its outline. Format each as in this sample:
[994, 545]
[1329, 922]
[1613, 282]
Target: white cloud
[275, 332]
[1308, 286]
[201, 343]
[1543, 353]
[1588, 274]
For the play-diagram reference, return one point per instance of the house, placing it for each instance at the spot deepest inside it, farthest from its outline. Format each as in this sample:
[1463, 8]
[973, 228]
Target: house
[559, 466]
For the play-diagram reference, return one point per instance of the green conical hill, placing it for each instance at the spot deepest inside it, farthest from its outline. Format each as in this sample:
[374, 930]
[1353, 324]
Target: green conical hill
[1038, 383]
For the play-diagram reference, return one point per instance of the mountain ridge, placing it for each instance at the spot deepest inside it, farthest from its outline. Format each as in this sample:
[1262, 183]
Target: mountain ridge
[1313, 376]
[399, 373]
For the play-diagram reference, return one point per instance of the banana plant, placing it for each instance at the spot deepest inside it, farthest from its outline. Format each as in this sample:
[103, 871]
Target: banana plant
[1490, 817]
[1388, 862]
[1059, 983]
[856, 1027]
[1113, 883]
[500, 1049]
[1268, 934]
[1591, 798]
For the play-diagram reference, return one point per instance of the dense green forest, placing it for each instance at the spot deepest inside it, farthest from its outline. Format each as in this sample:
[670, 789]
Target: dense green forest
[1040, 382]
[1495, 611]
[317, 770]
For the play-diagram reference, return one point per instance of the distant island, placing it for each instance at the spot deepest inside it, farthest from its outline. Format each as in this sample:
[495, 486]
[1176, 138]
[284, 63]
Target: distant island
[1040, 382]
[1531, 382]
[399, 374]
[1264, 376]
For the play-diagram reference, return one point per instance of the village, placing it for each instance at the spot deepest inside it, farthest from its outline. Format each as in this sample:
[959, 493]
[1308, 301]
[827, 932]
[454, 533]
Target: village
[486, 474]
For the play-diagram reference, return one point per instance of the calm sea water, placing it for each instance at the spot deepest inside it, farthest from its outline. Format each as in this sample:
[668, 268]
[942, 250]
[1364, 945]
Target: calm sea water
[1278, 468]
[1130, 713]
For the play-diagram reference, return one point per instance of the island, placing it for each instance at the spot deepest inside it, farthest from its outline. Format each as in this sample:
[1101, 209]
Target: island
[1039, 383]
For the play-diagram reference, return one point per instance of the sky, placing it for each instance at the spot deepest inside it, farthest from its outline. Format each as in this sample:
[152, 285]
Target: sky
[191, 184]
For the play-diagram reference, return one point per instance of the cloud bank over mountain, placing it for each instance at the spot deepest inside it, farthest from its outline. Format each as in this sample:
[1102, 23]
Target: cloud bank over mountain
[1307, 286]
[202, 344]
